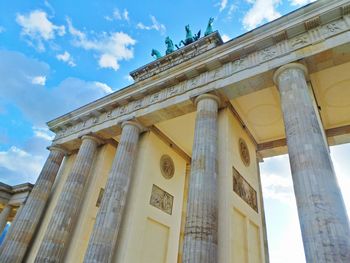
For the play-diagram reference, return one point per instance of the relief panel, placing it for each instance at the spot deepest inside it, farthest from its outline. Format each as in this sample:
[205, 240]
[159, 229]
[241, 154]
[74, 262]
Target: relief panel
[242, 188]
[162, 200]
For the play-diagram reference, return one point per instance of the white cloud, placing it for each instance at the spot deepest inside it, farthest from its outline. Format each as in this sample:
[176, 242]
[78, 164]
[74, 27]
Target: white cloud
[104, 87]
[38, 28]
[111, 47]
[126, 15]
[20, 163]
[261, 11]
[289, 238]
[118, 15]
[278, 188]
[341, 163]
[154, 26]
[108, 61]
[281, 211]
[129, 78]
[282, 217]
[39, 80]
[43, 132]
[225, 38]
[49, 6]
[223, 5]
[37, 103]
[233, 7]
[66, 57]
[277, 180]
[108, 18]
[301, 2]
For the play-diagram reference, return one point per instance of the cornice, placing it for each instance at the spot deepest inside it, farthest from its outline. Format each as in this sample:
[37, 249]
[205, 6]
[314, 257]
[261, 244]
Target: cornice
[267, 42]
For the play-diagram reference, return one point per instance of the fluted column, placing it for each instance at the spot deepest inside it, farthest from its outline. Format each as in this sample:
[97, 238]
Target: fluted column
[23, 228]
[322, 215]
[200, 243]
[3, 217]
[106, 228]
[66, 212]
[13, 222]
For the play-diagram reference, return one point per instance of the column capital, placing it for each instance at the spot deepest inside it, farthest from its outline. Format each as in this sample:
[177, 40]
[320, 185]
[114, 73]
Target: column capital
[289, 66]
[58, 148]
[133, 123]
[207, 96]
[93, 138]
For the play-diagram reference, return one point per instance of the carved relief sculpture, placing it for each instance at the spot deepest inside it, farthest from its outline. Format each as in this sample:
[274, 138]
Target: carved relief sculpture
[244, 190]
[162, 200]
[244, 152]
[167, 166]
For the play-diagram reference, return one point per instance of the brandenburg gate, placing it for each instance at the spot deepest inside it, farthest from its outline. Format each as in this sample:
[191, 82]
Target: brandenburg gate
[167, 169]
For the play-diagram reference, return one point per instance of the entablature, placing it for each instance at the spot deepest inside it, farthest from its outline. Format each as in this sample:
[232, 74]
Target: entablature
[245, 62]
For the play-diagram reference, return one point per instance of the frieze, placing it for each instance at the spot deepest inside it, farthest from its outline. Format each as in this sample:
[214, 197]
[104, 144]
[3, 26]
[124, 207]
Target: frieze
[239, 64]
[244, 190]
[268, 53]
[300, 41]
[162, 199]
[334, 27]
[251, 60]
[315, 35]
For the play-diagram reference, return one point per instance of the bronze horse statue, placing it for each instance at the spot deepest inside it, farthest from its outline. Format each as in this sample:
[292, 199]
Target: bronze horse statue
[169, 46]
[156, 53]
[189, 37]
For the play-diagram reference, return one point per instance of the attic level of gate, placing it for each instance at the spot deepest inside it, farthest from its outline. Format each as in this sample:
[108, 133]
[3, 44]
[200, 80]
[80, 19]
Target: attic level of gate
[177, 57]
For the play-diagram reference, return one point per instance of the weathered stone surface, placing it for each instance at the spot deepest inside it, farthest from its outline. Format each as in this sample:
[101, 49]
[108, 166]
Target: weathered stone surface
[200, 244]
[323, 219]
[3, 217]
[13, 223]
[248, 61]
[27, 218]
[106, 228]
[66, 212]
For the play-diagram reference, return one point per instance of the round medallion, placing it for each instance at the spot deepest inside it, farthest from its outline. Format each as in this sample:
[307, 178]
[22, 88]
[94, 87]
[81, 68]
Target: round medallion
[244, 152]
[167, 166]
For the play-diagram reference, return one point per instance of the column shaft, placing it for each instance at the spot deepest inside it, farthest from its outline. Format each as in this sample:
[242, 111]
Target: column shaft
[322, 214]
[66, 212]
[27, 220]
[12, 224]
[3, 217]
[200, 242]
[106, 228]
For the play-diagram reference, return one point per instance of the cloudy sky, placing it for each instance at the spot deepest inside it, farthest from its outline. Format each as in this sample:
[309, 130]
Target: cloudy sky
[57, 56]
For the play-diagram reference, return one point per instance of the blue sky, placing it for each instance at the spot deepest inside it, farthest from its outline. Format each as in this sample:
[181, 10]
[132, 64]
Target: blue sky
[57, 56]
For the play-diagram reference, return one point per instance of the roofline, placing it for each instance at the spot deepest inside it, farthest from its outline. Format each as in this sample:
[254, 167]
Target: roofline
[288, 21]
[25, 187]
